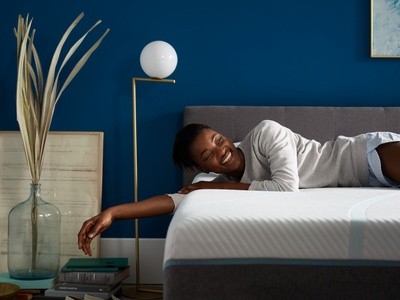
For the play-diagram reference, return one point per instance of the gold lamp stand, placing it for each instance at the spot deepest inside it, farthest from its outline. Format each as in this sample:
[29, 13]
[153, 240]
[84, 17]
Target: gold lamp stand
[138, 292]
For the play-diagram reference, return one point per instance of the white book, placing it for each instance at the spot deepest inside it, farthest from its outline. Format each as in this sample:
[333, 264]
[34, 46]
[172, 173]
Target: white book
[102, 295]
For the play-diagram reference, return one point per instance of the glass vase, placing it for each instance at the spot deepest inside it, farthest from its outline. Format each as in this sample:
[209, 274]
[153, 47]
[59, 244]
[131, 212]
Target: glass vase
[34, 233]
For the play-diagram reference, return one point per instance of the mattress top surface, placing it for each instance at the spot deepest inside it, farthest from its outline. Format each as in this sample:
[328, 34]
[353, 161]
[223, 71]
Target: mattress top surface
[325, 223]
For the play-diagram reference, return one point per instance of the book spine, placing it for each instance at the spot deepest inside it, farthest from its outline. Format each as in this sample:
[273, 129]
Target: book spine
[83, 288]
[63, 294]
[106, 278]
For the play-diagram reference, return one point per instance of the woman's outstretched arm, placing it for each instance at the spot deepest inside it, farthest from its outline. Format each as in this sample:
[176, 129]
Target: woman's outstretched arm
[155, 206]
[214, 185]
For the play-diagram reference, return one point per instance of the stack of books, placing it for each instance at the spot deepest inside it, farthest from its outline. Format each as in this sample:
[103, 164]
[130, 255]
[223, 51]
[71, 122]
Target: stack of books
[98, 277]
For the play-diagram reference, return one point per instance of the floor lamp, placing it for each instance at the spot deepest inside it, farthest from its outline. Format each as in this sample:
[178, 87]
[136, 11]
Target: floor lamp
[158, 60]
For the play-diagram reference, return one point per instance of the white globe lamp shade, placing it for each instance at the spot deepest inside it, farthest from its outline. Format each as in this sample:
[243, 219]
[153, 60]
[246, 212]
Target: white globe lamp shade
[158, 59]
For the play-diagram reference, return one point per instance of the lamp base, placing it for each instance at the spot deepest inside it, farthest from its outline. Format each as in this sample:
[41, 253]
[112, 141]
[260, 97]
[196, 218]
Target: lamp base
[148, 293]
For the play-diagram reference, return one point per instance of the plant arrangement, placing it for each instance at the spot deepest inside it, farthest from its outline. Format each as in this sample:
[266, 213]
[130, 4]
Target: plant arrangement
[37, 96]
[37, 99]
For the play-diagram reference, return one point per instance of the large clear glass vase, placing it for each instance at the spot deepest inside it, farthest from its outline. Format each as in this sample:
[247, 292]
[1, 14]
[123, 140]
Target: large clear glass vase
[34, 232]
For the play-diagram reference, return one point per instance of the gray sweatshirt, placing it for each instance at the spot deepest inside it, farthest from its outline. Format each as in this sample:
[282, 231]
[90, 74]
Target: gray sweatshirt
[279, 160]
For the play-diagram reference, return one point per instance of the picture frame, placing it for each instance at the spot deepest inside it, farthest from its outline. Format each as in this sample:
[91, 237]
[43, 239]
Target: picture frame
[71, 179]
[385, 29]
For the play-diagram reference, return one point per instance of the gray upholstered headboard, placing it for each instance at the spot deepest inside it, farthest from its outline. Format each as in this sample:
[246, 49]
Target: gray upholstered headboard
[319, 123]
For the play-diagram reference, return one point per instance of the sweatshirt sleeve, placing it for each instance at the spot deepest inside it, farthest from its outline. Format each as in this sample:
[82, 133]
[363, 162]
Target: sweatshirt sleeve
[177, 199]
[275, 146]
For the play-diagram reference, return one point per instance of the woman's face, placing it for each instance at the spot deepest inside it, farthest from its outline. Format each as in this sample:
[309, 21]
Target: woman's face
[213, 152]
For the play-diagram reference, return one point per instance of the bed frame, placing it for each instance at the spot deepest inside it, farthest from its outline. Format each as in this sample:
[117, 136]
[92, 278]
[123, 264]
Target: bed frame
[299, 279]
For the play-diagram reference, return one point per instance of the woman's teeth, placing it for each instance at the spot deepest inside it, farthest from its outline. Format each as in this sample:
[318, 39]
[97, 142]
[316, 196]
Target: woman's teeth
[227, 157]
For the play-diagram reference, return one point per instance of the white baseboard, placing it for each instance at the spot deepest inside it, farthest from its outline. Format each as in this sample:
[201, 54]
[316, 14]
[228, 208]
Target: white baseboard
[151, 257]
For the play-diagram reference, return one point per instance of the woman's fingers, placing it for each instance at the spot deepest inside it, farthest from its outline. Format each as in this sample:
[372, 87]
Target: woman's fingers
[91, 228]
[86, 235]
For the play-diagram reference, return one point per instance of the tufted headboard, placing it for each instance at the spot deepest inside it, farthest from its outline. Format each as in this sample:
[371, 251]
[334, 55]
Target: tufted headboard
[319, 123]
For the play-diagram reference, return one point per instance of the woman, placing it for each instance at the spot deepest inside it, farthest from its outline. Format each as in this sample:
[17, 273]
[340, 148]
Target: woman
[272, 158]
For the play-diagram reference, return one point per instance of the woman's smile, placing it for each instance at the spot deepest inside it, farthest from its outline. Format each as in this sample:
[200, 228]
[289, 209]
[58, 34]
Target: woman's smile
[227, 157]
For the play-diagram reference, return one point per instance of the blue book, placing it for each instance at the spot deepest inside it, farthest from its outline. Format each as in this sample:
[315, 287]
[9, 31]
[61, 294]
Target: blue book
[104, 264]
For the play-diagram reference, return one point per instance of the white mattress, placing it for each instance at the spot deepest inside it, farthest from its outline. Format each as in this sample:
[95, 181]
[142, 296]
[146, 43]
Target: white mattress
[327, 224]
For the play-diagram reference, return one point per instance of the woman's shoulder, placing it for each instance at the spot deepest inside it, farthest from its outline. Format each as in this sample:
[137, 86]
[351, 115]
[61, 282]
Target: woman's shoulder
[266, 131]
[268, 122]
[269, 126]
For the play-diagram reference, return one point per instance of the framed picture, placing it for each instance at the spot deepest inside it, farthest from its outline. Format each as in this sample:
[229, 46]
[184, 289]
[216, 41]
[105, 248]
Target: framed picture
[71, 180]
[385, 28]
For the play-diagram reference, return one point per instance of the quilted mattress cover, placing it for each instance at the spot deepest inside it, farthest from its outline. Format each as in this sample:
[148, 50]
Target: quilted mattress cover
[317, 224]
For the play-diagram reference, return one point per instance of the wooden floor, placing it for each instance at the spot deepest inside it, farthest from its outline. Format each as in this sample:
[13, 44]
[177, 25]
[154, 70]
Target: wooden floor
[146, 292]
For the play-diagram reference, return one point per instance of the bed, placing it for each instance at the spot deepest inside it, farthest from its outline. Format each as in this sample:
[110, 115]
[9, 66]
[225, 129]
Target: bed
[326, 243]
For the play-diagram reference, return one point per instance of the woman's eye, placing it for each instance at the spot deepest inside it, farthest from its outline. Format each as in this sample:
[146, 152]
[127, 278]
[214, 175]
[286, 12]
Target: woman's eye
[207, 155]
[219, 140]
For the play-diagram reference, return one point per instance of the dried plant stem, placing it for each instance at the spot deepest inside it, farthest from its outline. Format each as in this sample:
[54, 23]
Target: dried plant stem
[34, 215]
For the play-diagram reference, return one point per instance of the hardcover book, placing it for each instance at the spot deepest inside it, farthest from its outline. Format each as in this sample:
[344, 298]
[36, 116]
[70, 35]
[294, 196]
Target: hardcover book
[112, 264]
[88, 277]
[76, 294]
[83, 287]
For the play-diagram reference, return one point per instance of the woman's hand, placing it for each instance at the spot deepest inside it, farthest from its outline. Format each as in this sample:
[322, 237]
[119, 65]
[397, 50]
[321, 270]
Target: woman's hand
[214, 185]
[91, 228]
[154, 206]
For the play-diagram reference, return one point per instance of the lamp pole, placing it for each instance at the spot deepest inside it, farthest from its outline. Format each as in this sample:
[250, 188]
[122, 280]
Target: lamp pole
[140, 293]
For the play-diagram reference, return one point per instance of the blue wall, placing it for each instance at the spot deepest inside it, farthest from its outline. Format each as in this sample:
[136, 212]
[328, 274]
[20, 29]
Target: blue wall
[260, 52]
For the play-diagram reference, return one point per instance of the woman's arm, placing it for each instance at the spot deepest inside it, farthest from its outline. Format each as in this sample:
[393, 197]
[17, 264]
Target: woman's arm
[155, 206]
[273, 147]
[214, 185]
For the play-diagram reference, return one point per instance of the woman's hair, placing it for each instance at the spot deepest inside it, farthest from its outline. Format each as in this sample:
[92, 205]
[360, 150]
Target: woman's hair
[181, 153]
